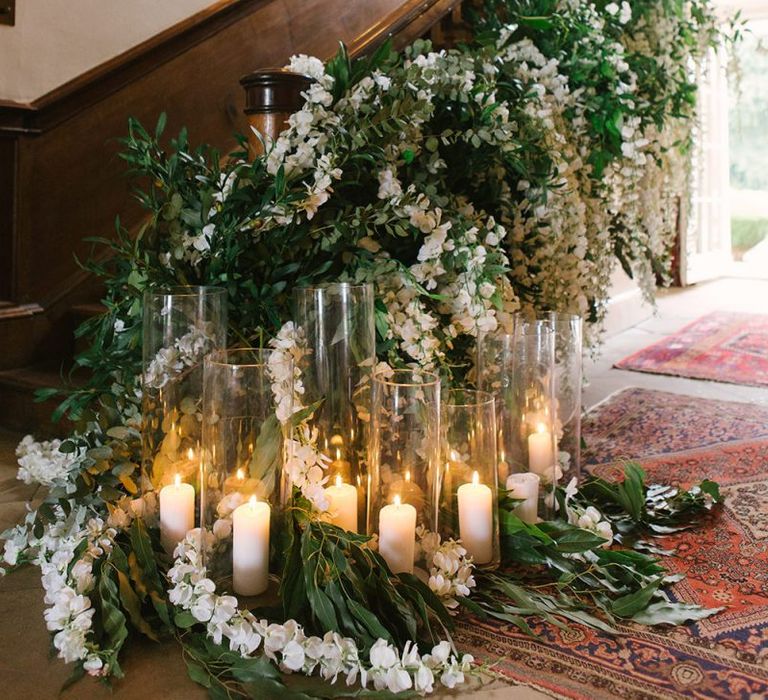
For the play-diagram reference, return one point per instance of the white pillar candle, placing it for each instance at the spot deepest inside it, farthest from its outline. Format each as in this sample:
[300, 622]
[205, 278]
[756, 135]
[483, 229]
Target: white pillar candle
[540, 457]
[476, 519]
[177, 513]
[397, 535]
[250, 547]
[525, 486]
[343, 505]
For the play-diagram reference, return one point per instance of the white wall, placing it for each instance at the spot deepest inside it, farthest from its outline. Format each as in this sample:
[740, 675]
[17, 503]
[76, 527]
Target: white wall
[626, 307]
[55, 41]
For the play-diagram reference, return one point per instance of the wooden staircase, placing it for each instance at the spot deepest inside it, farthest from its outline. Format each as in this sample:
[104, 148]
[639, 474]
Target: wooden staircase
[61, 180]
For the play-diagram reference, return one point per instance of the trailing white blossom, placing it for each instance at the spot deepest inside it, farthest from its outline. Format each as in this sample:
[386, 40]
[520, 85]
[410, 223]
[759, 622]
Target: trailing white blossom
[332, 656]
[187, 351]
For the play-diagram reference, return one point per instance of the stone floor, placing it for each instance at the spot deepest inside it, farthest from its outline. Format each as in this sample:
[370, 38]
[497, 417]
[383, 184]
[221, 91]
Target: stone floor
[152, 671]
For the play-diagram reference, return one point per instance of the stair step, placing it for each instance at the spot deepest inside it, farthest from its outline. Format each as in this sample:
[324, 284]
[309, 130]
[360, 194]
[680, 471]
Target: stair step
[18, 409]
[88, 310]
[80, 313]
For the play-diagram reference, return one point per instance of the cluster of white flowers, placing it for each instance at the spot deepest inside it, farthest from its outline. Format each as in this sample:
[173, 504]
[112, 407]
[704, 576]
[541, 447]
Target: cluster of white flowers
[43, 463]
[331, 656]
[65, 551]
[187, 350]
[588, 518]
[67, 583]
[285, 370]
[450, 569]
[306, 466]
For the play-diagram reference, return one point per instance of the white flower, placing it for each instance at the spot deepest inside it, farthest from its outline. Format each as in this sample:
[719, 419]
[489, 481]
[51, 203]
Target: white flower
[626, 12]
[398, 680]
[203, 607]
[43, 463]
[382, 655]
[93, 665]
[70, 644]
[293, 656]
[11, 552]
[389, 185]
[222, 528]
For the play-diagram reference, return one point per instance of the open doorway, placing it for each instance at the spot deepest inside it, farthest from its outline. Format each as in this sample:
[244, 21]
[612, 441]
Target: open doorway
[727, 231]
[748, 152]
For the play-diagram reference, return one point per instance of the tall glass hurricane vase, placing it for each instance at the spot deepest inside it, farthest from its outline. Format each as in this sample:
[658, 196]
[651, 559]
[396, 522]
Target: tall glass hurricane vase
[243, 456]
[337, 321]
[518, 369]
[468, 493]
[568, 379]
[180, 326]
[404, 462]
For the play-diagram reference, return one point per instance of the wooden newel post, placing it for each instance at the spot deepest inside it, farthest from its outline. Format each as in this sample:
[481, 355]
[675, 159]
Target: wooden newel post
[271, 96]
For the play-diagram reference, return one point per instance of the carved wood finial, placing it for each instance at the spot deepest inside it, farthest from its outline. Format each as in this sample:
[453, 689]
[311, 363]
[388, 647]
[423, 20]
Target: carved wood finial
[271, 96]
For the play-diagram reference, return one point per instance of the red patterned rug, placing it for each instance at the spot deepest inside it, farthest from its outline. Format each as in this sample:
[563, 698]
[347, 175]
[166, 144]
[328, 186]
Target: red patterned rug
[721, 346]
[677, 439]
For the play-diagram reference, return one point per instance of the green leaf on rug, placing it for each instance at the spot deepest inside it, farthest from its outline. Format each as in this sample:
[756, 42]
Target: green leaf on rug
[667, 613]
[629, 605]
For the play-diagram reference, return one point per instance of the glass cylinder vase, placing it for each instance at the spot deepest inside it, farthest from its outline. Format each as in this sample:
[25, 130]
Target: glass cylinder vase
[404, 462]
[243, 456]
[468, 490]
[567, 390]
[180, 326]
[518, 369]
[337, 320]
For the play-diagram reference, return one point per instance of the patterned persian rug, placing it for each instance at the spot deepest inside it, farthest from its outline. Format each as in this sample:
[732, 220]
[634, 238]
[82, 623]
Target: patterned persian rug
[721, 346]
[677, 439]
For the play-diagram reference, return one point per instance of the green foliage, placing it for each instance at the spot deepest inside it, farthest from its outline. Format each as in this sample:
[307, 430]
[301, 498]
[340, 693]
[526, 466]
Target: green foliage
[747, 233]
[333, 581]
[554, 568]
[636, 510]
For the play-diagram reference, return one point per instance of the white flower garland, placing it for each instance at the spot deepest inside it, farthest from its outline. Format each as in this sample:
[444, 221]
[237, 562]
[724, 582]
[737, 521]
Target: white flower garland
[331, 656]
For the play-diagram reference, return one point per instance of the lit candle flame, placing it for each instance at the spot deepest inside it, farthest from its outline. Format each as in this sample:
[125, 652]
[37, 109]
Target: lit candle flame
[190, 454]
[338, 454]
[408, 475]
[252, 502]
[540, 428]
[240, 475]
[177, 480]
[447, 467]
[339, 482]
[397, 501]
[475, 478]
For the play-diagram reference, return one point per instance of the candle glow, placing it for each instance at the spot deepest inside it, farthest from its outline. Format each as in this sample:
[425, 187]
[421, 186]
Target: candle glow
[476, 519]
[342, 505]
[177, 512]
[397, 535]
[250, 547]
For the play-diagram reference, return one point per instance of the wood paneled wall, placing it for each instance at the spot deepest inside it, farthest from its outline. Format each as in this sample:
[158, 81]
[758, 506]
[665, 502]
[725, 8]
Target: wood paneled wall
[61, 179]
